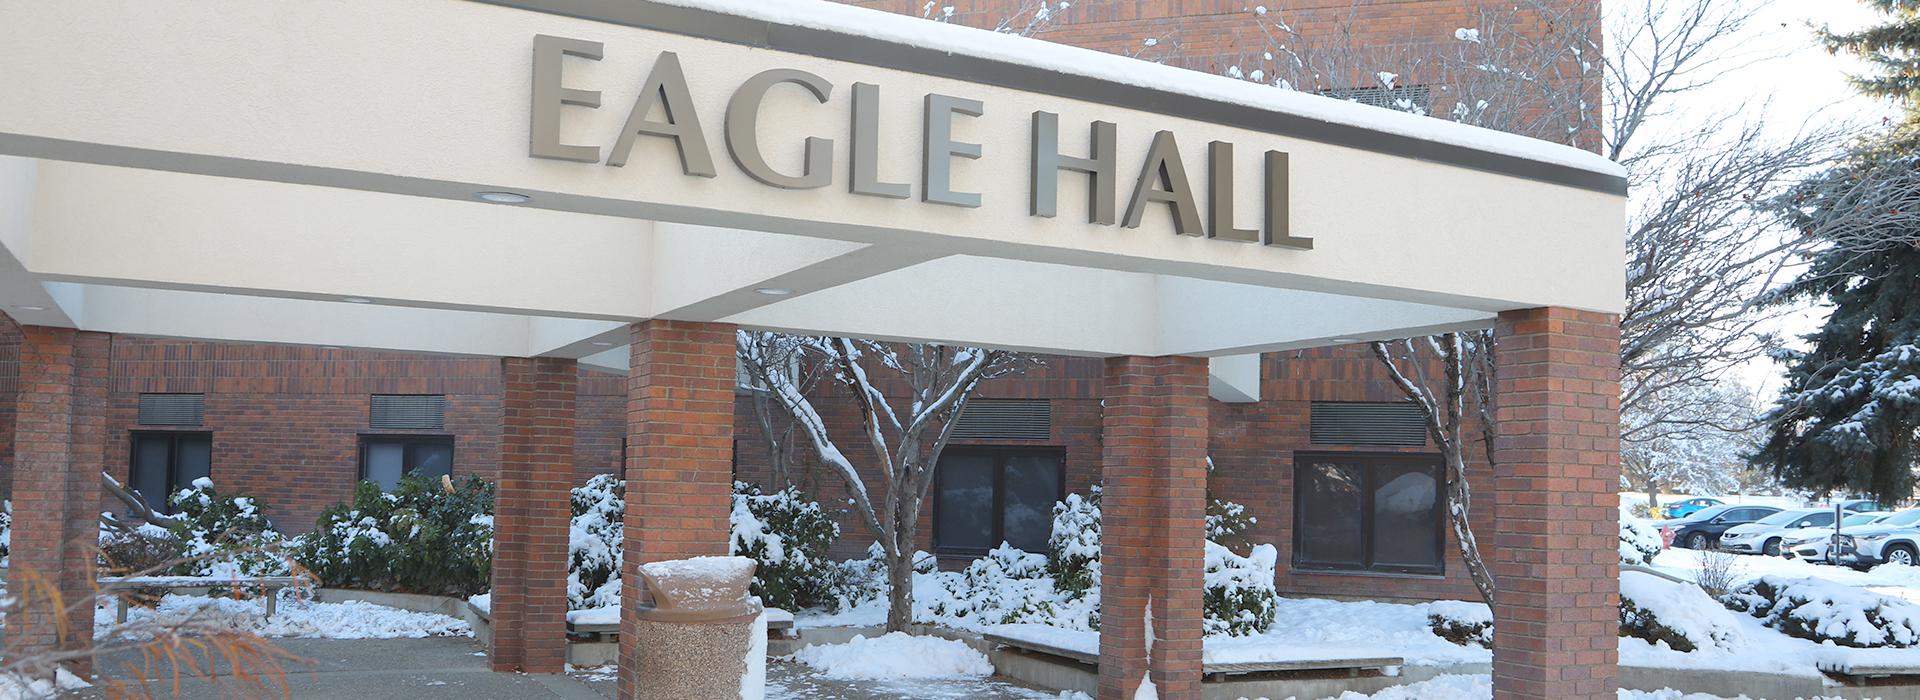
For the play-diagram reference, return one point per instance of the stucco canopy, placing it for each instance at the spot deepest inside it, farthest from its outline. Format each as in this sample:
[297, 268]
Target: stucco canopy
[308, 173]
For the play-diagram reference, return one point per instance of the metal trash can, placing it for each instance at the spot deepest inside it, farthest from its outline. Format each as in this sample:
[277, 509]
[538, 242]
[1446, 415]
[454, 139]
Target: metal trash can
[705, 636]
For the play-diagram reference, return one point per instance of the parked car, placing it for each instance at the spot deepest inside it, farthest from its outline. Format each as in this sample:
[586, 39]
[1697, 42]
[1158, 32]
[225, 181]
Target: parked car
[1703, 528]
[1764, 536]
[1688, 507]
[1814, 547]
[1860, 505]
[1895, 540]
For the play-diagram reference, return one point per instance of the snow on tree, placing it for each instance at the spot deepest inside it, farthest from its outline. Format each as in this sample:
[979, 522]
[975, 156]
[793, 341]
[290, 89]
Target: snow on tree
[1692, 438]
[903, 438]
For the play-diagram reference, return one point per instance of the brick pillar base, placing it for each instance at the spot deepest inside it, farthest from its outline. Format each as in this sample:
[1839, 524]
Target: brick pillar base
[1556, 515]
[532, 514]
[58, 446]
[680, 383]
[1153, 525]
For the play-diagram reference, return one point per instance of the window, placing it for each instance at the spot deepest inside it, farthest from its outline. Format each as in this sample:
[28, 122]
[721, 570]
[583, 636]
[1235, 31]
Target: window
[167, 462]
[1369, 512]
[984, 497]
[385, 458]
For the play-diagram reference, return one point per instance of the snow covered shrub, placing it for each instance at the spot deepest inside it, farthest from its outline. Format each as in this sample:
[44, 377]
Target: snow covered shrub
[856, 581]
[1461, 622]
[1227, 522]
[137, 552]
[1073, 550]
[1240, 597]
[425, 536]
[594, 541]
[1006, 586]
[223, 535]
[6, 529]
[1639, 543]
[1823, 611]
[788, 535]
[1679, 614]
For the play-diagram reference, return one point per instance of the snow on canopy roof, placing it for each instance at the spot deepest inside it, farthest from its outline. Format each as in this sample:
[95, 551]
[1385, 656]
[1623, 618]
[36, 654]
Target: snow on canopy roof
[1061, 58]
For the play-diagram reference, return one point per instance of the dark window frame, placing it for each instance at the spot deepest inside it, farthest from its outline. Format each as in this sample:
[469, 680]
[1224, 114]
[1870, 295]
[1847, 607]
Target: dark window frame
[1000, 454]
[409, 441]
[173, 438]
[1367, 461]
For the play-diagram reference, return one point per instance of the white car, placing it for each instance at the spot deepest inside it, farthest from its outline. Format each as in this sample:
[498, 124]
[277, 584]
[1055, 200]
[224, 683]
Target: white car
[1764, 536]
[1813, 546]
[1895, 540]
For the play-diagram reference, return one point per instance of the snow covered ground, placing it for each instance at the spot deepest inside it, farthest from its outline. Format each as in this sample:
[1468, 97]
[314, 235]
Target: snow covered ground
[1890, 579]
[294, 618]
[895, 656]
[1480, 687]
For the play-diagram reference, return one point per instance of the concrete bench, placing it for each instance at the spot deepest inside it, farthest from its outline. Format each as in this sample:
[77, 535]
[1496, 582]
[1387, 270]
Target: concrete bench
[779, 624]
[1866, 669]
[1076, 647]
[114, 585]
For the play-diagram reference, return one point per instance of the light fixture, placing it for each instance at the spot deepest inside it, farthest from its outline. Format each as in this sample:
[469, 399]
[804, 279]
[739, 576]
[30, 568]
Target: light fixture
[502, 197]
[774, 291]
[603, 343]
[1345, 341]
[356, 300]
[31, 308]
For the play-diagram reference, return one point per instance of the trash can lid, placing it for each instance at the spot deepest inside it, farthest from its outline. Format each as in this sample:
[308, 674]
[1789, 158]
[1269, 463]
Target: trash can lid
[701, 589]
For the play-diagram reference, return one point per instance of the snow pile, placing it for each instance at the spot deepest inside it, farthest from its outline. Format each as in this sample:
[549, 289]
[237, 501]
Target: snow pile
[1679, 615]
[1823, 611]
[895, 655]
[1240, 596]
[1639, 542]
[17, 687]
[594, 541]
[294, 618]
[1461, 622]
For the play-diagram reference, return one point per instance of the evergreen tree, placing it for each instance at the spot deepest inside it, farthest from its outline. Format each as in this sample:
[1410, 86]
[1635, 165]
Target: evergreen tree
[1892, 48]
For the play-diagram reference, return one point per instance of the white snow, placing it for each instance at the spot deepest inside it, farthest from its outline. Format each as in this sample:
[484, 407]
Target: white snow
[14, 687]
[895, 655]
[294, 618]
[1480, 687]
[1070, 60]
[753, 680]
[483, 602]
[1685, 609]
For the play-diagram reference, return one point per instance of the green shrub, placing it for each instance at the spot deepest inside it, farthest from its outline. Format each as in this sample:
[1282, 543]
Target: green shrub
[595, 542]
[1240, 598]
[222, 535]
[1461, 622]
[1073, 550]
[1639, 542]
[788, 535]
[425, 536]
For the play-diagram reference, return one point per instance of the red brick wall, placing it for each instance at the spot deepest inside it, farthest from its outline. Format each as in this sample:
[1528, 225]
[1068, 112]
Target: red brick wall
[532, 513]
[9, 387]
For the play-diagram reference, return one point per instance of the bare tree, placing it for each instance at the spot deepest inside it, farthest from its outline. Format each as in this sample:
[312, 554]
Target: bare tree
[1467, 378]
[904, 441]
[778, 430]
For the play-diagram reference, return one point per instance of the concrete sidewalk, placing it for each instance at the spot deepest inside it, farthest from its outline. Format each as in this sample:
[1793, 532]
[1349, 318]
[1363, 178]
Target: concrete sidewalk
[455, 667]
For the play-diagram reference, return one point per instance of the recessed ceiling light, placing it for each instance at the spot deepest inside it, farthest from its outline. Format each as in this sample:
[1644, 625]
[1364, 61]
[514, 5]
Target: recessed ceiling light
[1348, 340]
[774, 291]
[603, 343]
[356, 300]
[31, 308]
[502, 197]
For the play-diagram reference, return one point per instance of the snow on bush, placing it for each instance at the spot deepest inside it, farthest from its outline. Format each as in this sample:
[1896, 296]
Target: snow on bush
[595, 538]
[1824, 611]
[6, 530]
[1639, 542]
[1240, 597]
[1680, 615]
[894, 656]
[788, 535]
[1461, 622]
[425, 536]
[220, 535]
[1007, 586]
[1073, 549]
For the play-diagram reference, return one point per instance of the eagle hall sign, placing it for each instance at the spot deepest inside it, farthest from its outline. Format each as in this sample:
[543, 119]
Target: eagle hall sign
[665, 109]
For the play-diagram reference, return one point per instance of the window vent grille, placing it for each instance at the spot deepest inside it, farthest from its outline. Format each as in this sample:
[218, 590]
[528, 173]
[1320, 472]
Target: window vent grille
[1005, 419]
[409, 412]
[1398, 98]
[172, 409]
[1392, 424]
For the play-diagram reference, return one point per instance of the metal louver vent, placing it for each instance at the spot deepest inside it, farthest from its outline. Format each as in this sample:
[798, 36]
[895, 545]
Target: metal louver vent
[1396, 98]
[172, 409]
[1005, 419]
[1393, 424]
[409, 412]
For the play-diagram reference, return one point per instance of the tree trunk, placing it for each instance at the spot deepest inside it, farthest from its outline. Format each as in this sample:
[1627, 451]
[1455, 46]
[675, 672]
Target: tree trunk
[1460, 501]
[900, 591]
[1653, 498]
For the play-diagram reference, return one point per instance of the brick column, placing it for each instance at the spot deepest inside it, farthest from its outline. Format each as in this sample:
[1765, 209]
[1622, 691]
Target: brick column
[532, 511]
[58, 444]
[680, 382]
[1153, 525]
[1556, 515]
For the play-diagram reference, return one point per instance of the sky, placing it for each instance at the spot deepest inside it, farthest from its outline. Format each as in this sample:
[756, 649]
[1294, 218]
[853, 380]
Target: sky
[1795, 82]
